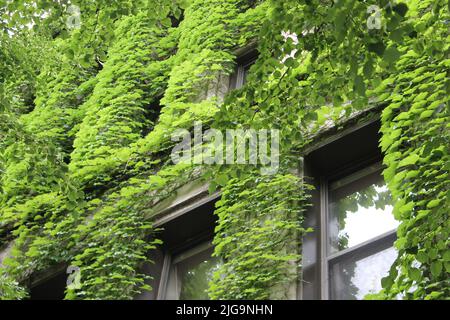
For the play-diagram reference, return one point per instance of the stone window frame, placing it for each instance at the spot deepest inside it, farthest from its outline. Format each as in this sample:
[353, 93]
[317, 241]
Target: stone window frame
[246, 57]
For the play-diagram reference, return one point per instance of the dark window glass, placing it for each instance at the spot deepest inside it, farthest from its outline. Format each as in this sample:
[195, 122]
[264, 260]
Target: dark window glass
[191, 273]
[51, 289]
[195, 275]
[246, 70]
[242, 71]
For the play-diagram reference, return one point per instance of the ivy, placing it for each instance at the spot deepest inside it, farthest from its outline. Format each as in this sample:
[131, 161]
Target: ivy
[260, 224]
[120, 106]
[417, 175]
[87, 114]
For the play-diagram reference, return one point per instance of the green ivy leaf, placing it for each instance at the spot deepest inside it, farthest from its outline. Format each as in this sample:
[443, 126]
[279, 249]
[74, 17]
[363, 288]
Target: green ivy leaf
[415, 274]
[426, 114]
[422, 257]
[436, 268]
[360, 86]
[446, 256]
[222, 179]
[410, 160]
[391, 55]
[433, 203]
[386, 282]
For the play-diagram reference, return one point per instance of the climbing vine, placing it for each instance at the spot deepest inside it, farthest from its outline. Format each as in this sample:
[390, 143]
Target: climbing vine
[264, 218]
[416, 139]
[87, 114]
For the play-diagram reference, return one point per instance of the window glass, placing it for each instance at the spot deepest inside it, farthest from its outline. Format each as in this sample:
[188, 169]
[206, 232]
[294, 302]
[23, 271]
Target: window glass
[195, 280]
[51, 289]
[352, 279]
[246, 71]
[194, 274]
[359, 211]
[242, 71]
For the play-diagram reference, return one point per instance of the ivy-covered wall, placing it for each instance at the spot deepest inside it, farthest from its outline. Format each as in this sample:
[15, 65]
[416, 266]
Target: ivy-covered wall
[87, 116]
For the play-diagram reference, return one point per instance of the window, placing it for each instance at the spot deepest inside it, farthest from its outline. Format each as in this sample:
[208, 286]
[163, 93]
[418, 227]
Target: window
[351, 248]
[184, 264]
[49, 286]
[244, 63]
[360, 209]
[191, 272]
[360, 234]
[242, 73]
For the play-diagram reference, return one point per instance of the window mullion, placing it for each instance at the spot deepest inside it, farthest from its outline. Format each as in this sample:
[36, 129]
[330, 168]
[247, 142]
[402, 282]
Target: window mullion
[382, 241]
[323, 255]
[163, 283]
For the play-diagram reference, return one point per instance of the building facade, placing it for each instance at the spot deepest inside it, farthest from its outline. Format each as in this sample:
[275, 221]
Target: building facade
[345, 257]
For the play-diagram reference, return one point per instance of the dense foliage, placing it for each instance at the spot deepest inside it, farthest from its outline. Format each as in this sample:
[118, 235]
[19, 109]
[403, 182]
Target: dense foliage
[87, 114]
[265, 218]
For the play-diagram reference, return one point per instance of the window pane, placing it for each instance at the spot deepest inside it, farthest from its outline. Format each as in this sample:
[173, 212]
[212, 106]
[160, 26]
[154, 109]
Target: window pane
[246, 71]
[195, 274]
[353, 279]
[359, 211]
